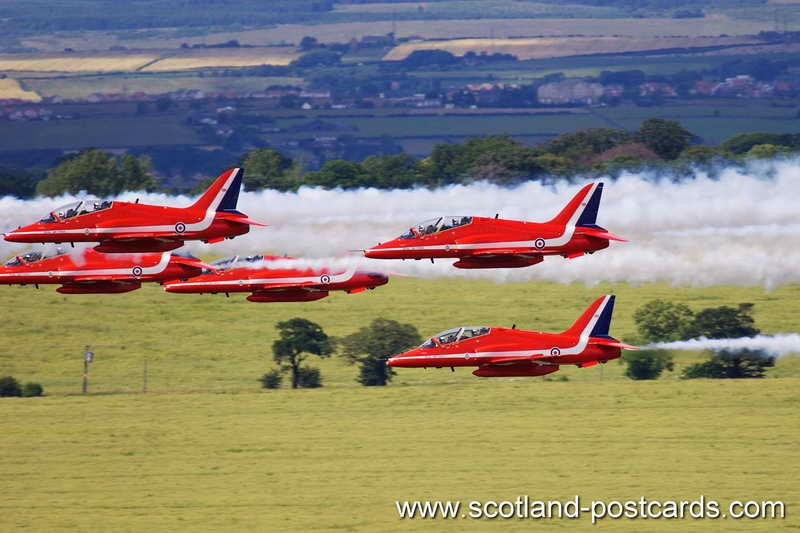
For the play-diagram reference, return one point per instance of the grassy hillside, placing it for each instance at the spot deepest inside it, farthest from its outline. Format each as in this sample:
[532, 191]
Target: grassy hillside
[204, 342]
[338, 459]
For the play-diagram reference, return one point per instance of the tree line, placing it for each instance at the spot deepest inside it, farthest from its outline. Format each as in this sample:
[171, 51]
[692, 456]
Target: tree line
[660, 145]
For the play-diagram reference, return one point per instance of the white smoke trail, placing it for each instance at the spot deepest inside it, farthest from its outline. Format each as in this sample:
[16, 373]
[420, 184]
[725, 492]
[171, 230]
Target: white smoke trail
[780, 344]
[740, 229]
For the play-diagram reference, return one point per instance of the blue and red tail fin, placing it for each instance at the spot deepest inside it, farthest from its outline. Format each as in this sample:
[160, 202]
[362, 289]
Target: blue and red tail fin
[595, 320]
[223, 194]
[581, 210]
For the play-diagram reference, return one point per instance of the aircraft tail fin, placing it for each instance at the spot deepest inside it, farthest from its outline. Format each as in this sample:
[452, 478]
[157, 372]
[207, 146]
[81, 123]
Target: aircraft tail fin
[223, 194]
[595, 320]
[581, 211]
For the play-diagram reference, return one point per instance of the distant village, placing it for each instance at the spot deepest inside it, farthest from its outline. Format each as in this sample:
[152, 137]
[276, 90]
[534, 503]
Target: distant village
[569, 92]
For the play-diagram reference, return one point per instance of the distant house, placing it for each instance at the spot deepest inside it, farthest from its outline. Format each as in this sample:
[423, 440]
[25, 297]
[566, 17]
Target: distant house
[570, 92]
[653, 88]
[377, 40]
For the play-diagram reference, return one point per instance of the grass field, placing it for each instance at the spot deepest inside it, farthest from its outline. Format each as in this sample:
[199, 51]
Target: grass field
[459, 125]
[214, 343]
[338, 459]
[120, 131]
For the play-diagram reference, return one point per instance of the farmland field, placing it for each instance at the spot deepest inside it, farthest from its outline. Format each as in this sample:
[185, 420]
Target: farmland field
[712, 24]
[540, 48]
[121, 131]
[81, 87]
[147, 60]
[10, 88]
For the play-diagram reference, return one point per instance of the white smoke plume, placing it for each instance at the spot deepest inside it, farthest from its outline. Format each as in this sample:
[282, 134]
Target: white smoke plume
[742, 228]
[780, 344]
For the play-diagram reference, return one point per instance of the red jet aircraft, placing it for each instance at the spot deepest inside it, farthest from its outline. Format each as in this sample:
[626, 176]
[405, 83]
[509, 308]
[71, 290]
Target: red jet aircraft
[90, 272]
[124, 227]
[276, 283]
[502, 352]
[479, 242]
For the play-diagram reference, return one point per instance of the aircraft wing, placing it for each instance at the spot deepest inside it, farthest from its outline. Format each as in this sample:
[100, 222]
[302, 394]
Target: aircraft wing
[108, 277]
[503, 251]
[268, 287]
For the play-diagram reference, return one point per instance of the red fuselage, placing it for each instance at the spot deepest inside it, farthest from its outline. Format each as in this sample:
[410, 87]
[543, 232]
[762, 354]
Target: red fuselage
[88, 271]
[482, 241]
[124, 227]
[273, 279]
[479, 242]
[507, 352]
[130, 225]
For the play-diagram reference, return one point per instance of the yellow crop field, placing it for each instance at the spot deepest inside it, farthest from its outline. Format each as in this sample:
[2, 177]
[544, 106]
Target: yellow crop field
[540, 48]
[10, 88]
[224, 57]
[77, 62]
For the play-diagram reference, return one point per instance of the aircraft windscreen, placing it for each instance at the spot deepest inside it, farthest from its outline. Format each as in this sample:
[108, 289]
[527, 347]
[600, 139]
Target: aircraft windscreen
[75, 209]
[457, 334]
[231, 262]
[32, 257]
[436, 225]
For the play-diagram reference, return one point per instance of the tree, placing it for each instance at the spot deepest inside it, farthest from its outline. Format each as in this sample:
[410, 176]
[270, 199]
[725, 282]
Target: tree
[583, 144]
[309, 378]
[725, 322]
[744, 142]
[9, 387]
[308, 42]
[424, 58]
[96, 172]
[667, 138]
[15, 182]
[647, 364]
[663, 321]
[767, 151]
[271, 379]
[400, 171]
[339, 173]
[732, 364]
[30, 390]
[266, 168]
[299, 338]
[325, 58]
[699, 154]
[370, 346]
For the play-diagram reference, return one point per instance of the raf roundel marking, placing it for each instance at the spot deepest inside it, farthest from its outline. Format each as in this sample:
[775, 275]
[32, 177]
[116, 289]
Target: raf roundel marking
[137, 271]
[180, 227]
[539, 243]
[325, 278]
[555, 352]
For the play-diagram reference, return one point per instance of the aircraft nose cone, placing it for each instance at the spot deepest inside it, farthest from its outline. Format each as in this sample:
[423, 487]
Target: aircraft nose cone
[392, 361]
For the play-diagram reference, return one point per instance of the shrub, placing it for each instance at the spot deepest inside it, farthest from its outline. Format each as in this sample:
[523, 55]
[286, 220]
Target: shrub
[647, 364]
[32, 389]
[9, 387]
[732, 364]
[271, 380]
[309, 378]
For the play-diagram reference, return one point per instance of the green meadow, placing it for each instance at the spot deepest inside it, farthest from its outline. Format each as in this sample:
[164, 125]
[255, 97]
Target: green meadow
[214, 343]
[337, 459]
[205, 450]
